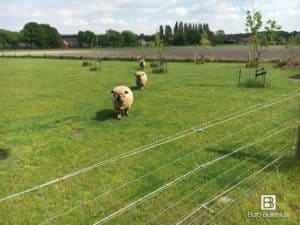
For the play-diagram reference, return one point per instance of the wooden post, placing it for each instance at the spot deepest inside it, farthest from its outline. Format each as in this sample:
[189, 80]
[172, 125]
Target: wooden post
[240, 73]
[298, 145]
[248, 59]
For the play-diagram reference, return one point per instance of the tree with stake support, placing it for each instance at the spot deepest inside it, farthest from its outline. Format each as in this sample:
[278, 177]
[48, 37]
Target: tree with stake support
[298, 145]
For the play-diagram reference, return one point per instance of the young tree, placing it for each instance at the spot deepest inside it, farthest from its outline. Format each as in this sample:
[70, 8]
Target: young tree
[260, 40]
[290, 43]
[204, 39]
[158, 42]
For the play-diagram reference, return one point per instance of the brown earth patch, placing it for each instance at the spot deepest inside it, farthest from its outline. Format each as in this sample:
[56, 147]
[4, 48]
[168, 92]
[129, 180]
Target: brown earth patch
[78, 133]
[3, 154]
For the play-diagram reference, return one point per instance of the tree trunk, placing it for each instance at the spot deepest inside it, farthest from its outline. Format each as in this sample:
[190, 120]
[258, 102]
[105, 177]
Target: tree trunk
[257, 60]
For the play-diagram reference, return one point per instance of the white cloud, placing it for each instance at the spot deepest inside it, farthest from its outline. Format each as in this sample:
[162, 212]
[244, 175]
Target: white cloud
[144, 16]
[178, 11]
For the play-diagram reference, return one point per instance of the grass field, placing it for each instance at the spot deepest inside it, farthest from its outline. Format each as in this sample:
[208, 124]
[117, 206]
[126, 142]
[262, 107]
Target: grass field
[56, 117]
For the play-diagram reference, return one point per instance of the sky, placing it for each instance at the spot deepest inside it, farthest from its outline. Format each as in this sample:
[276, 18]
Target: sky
[70, 16]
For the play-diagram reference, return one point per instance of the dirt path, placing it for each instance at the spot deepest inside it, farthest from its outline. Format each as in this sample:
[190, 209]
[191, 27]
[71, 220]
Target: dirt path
[234, 53]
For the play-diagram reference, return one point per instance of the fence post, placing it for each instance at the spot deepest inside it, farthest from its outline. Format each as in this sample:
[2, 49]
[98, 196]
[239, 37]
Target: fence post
[298, 145]
[240, 73]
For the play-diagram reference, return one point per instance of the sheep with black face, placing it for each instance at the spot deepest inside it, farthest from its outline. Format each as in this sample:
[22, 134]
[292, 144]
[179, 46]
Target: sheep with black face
[141, 79]
[142, 63]
[122, 98]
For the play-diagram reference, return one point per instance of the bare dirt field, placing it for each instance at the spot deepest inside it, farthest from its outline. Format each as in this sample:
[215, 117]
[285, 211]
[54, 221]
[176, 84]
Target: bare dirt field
[226, 53]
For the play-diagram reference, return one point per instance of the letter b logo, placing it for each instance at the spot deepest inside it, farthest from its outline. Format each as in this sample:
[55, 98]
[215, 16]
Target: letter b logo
[268, 202]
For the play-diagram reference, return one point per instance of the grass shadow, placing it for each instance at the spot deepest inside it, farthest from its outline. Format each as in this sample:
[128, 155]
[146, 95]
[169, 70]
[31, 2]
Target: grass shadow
[213, 85]
[252, 156]
[134, 88]
[253, 83]
[137, 68]
[105, 114]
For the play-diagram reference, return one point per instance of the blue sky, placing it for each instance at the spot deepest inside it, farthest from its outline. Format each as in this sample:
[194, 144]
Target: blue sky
[143, 16]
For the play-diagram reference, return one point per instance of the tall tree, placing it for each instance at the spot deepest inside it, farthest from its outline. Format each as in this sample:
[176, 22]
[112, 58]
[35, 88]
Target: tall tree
[34, 35]
[86, 38]
[219, 37]
[168, 34]
[90, 38]
[114, 38]
[161, 32]
[3, 37]
[128, 37]
[81, 38]
[52, 38]
[176, 27]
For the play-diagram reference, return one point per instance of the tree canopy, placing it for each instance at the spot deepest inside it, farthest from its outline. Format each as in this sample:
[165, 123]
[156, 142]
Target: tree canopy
[34, 35]
[37, 35]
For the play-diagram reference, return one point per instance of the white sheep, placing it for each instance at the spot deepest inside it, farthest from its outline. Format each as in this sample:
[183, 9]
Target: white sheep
[141, 79]
[122, 98]
[142, 63]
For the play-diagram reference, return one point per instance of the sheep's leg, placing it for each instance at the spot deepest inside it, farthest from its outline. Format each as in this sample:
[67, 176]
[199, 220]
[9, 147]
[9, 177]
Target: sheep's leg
[119, 115]
[126, 111]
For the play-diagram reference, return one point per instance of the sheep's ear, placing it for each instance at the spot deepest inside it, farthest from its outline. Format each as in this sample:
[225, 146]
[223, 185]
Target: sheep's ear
[126, 92]
[112, 92]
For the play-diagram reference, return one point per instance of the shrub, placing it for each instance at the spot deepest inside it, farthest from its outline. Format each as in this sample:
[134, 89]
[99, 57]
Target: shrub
[96, 65]
[85, 63]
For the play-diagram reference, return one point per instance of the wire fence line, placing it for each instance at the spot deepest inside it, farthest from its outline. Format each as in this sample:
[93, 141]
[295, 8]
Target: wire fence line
[258, 184]
[197, 189]
[152, 172]
[247, 191]
[153, 145]
[205, 206]
[226, 191]
[182, 177]
[227, 172]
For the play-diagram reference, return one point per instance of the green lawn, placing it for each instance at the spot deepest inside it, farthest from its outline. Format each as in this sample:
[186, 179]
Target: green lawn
[56, 117]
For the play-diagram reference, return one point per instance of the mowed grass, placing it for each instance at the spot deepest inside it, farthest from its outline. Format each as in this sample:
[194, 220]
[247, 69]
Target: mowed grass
[56, 117]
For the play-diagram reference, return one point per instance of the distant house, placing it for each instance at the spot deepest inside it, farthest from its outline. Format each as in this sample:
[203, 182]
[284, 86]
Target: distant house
[71, 39]
[246, 40]
[64, 44]
[142, 42]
